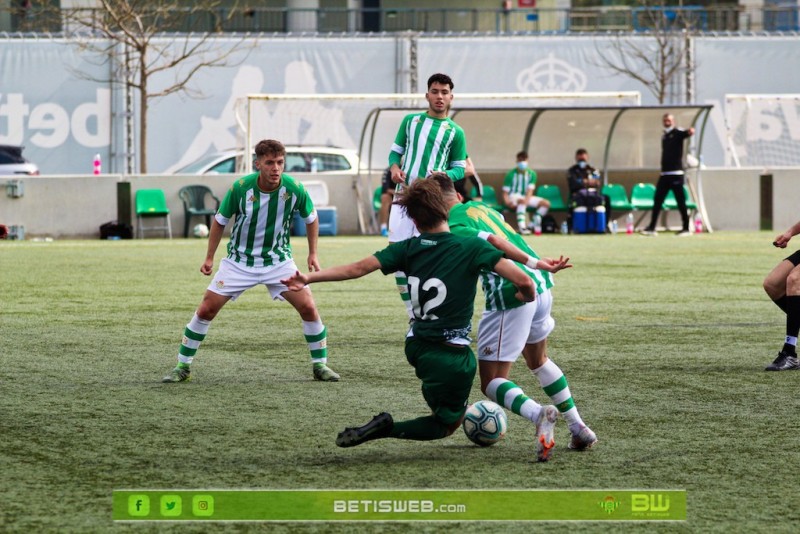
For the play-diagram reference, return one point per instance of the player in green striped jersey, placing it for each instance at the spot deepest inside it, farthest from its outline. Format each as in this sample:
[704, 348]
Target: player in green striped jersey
[518, 187]
[263, 205]
[442, 273]
[425, 143]
[509, 327]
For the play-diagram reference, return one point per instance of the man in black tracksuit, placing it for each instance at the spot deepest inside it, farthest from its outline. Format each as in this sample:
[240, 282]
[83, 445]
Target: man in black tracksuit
[671, 174]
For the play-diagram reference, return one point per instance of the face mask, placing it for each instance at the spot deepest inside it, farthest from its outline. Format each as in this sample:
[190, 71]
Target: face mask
[522, 165]
[582, 164]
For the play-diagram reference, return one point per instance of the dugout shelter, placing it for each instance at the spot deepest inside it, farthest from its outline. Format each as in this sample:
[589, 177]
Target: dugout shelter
[624, 141]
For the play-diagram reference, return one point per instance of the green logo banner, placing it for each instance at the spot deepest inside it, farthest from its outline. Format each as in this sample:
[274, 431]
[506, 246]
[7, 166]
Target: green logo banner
[399, 505]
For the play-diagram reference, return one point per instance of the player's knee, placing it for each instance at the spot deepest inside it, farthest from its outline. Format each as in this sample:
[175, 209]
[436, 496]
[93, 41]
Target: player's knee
[793, 281]
[769, 286]
[307, 310]
[207, 313]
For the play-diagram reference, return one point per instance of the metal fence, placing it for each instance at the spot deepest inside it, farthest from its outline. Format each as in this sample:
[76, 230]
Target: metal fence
[440, 20]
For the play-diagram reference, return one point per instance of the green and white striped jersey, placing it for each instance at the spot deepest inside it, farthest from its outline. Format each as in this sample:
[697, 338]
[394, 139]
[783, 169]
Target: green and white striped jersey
[425, 144]
[518, 182]
[474, 217]
[260, 234]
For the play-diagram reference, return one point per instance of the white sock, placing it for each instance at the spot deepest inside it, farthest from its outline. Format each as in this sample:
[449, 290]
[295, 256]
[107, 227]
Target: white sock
[513, 398]
[554, 383]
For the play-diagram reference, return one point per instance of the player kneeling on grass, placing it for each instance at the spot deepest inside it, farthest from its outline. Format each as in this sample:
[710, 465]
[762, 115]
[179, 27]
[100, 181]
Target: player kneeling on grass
[263, 204]
[442, 270]
[509, 327]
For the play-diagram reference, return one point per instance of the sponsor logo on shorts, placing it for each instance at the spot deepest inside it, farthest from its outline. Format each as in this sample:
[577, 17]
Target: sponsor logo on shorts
[487, 351]
[220, 284]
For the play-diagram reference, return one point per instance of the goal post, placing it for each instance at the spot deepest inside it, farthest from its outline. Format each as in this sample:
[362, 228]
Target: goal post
[763, 130]
[350, 121]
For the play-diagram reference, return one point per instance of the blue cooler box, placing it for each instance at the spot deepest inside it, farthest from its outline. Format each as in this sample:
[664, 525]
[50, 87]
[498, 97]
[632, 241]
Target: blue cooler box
[328, 224]
[585, 221]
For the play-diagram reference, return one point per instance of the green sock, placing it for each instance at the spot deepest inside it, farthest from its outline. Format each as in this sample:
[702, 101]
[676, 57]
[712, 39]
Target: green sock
[420, 429]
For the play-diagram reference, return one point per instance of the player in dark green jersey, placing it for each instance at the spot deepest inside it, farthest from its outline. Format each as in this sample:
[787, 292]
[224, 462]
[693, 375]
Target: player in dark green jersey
[442, 273]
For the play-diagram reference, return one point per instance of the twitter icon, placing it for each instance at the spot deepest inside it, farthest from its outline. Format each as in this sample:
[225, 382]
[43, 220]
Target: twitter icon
[170, 505]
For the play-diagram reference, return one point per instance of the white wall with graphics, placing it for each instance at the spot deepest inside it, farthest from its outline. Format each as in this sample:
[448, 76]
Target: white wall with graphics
[64, 119]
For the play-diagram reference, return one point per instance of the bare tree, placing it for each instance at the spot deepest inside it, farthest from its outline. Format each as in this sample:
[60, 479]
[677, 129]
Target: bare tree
[129, 36]
[656, 56]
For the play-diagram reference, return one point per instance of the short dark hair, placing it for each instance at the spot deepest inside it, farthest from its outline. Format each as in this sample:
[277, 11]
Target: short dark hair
[581, 152]
[444, 182]
[443, 79]
[270, 146]
[522, 155]
[425, 204]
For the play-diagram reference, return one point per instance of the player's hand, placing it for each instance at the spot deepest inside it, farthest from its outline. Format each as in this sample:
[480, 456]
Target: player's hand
[207, 267]
[527, 296]
[553, 266]
[398, 176]
[297, 282]
[782, 240]
[313, 263]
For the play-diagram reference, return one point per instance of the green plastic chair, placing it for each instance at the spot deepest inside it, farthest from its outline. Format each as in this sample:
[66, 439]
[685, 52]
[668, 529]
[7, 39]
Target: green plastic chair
[671, 204]
[618, 197]
[194, 204]
[151, 203]
[552, 193]
[490, 198]
[642, 196]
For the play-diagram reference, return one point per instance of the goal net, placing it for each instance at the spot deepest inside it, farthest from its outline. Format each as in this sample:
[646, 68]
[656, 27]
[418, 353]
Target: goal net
[763, 130]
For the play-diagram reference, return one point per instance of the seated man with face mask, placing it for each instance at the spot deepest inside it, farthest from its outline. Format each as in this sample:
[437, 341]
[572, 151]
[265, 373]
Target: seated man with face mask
[582, 177]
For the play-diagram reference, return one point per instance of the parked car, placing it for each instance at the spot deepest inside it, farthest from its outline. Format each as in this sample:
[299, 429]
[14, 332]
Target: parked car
[328, 160]
[12, 162]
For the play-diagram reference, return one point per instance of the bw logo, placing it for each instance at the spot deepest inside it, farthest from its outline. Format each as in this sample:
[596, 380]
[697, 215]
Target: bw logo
[649, 502]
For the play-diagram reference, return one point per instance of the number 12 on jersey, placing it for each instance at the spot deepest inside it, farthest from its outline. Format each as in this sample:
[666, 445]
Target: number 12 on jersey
[423, 311]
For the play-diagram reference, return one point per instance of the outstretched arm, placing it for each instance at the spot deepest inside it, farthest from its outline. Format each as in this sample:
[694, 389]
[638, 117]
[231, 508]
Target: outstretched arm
[333, 274]
[513, 253]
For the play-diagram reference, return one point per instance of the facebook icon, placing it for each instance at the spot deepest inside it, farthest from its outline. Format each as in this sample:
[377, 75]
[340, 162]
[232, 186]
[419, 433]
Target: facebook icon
[138, 505]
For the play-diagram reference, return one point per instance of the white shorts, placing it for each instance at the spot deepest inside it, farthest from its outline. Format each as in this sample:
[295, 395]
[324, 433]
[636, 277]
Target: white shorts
[503, 334]
[401, 227]
[233, 279]
[533, 202]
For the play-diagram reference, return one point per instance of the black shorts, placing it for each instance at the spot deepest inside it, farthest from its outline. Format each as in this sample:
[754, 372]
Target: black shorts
[795, 258]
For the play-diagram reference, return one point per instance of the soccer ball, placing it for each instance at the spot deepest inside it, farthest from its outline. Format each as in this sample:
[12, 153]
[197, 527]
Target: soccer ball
[200, 230]
[485, 423]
